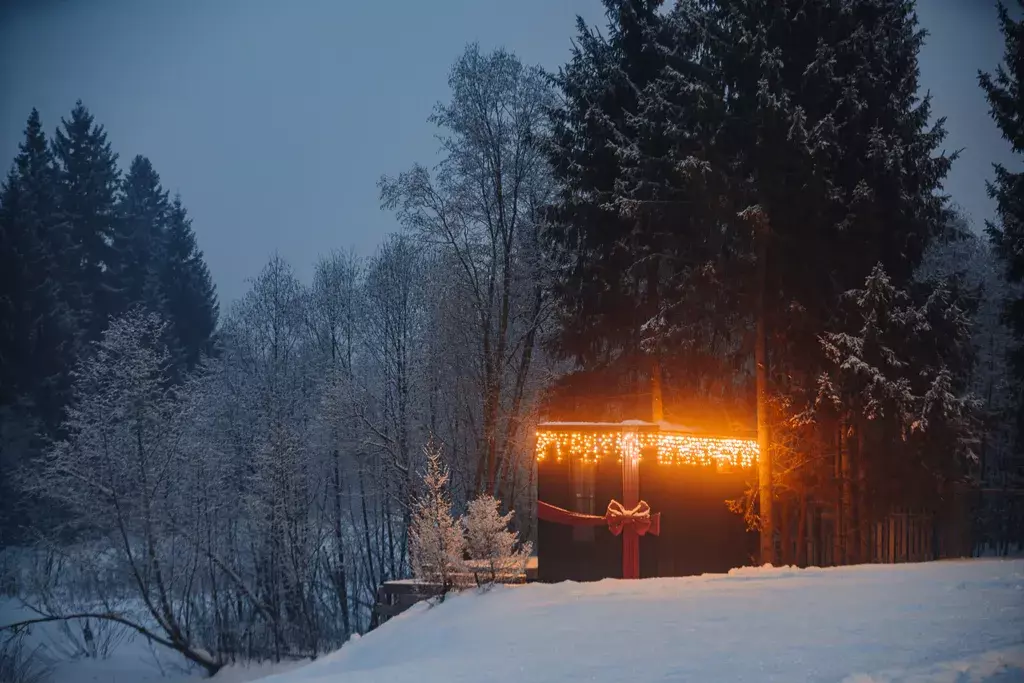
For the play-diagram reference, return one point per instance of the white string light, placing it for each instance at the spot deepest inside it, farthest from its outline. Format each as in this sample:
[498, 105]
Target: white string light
[669, 447]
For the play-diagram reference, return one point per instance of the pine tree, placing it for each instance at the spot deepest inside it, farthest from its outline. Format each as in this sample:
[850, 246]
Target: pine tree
[501, 557]
[88, 180]
[36, 331]
[834, 168]
[36, 339]
[898, 372]
[436, 543]
[189, 296]
[1006, 101]
[138, 239]
[606, 293]
[779, 151]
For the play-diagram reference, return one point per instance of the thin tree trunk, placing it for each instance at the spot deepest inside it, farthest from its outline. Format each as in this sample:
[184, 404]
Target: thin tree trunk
[786, 531]
[340, 577]
[761, 380]
[366, 530]
[801, 532]
[846, 474]
[863, 514]
[837, 517]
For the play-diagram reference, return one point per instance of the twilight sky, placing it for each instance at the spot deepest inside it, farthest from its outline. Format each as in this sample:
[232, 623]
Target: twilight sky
[274, 119]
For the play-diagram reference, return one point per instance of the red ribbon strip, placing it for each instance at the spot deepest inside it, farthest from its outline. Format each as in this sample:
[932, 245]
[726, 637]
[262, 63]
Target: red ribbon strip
[637, 521]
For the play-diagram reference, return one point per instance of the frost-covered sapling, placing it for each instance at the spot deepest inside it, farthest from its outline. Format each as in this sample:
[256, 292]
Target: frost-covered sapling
[436, 543]
[496, 553]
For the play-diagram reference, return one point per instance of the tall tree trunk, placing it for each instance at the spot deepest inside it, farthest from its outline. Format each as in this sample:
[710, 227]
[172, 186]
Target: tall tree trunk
[864, 516]
[657, 405]
[786, 531]
[340, 576]
[366, 531]
[764, 469]
[837, 497]
[846, 473]
[801, 532]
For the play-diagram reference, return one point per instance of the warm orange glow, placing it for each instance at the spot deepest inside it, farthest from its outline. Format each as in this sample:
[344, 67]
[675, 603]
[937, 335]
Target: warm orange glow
[671, 447]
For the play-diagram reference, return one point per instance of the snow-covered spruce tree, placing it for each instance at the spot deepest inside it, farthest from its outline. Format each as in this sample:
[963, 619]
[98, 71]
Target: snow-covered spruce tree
[37, 332]
[604, 291]
[436, 544]
[975, 262]
[499, 556]
[805, 122]
[897, 387]
[1006, 101]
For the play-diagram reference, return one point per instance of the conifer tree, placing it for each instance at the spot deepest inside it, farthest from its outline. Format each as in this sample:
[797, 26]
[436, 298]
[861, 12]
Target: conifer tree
[138, 239]
[436, 542]
[897, 374]
[604, 297]
[835, 163]
[189, 297]
[36, 335]
[499, 554]
[779, 149]
[36, 330]
[88, 180]
[1006, 101]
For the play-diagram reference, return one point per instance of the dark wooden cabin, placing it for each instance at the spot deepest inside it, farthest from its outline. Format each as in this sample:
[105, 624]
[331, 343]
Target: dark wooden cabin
[684, 475]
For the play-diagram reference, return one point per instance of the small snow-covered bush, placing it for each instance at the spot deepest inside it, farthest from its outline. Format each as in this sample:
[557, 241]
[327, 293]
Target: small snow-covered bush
[436, 543]
[495, 553]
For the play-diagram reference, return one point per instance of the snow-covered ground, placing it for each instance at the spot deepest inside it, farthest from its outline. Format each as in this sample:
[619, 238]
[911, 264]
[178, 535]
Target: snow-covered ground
[953, 621]
[944, 621]
[131, 659]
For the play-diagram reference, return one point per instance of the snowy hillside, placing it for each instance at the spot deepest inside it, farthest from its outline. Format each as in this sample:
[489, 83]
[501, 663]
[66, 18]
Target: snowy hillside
[942, 622]
[945, 621]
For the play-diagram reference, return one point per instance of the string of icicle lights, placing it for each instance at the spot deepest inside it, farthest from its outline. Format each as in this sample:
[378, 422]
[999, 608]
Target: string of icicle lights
[679, 449]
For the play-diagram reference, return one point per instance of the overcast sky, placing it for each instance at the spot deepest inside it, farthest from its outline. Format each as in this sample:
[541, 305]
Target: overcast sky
[274, 119]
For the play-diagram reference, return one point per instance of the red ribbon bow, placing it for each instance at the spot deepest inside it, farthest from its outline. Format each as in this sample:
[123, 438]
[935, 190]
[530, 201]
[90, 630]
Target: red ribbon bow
[639, 518]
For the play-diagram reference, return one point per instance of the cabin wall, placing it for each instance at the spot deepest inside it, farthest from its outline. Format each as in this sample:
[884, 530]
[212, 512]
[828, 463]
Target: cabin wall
[698, 532]
[578, 553]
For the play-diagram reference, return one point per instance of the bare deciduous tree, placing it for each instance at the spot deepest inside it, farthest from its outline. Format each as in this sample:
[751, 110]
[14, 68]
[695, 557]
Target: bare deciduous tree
[480, 210]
